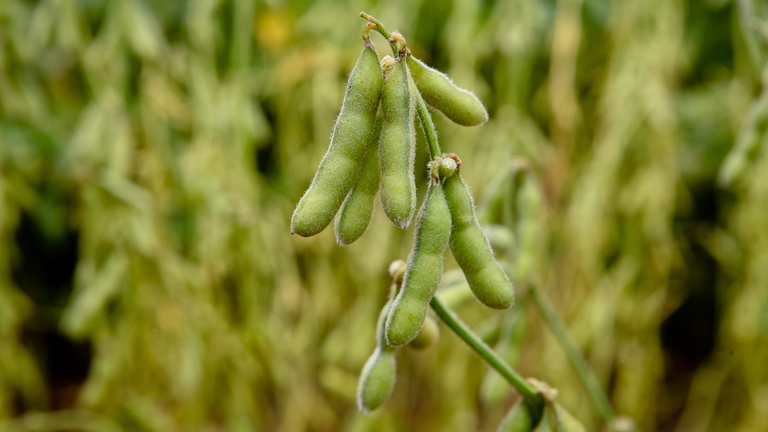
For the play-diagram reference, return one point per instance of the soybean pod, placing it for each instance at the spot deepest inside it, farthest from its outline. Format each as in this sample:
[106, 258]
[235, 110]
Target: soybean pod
[521, 418]
[459, 105]
[566, 422]
[397, 146]
[377, 380]
[547, 417]
[356, 211]
[428, 336]
[340, 167]
[423, 270]
[472, 251]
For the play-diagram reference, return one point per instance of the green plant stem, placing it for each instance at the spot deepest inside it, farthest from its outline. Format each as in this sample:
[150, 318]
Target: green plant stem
[586, 375]
[379, 26]
[381, 29]
[486, 353]
[429, 127]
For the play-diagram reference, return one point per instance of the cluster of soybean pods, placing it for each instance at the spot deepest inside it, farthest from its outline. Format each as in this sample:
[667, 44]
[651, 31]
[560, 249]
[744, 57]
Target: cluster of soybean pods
[372, 150]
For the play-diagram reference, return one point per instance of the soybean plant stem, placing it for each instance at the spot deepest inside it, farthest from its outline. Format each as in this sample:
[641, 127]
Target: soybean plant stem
[487, 353]
[379, 26]
[429, 127]
[586, 375]
[381, 29]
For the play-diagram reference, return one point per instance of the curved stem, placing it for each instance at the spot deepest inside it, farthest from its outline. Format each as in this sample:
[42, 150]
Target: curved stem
[487, 353]
[429, 127]
[586, 375]
[379, 26]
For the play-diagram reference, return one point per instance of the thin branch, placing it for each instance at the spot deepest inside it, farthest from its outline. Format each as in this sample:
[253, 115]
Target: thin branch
[586, 375]
[486, 353]
[429, 127]
[379, 26]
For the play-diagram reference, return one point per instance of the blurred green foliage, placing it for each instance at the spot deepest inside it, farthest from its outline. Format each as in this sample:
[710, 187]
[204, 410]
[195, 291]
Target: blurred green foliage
[151, 154]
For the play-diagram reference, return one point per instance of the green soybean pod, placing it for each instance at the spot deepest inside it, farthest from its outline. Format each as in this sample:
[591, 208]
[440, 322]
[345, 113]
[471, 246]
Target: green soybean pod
[377, 380]
[423, 270]
[566, 422]
[521, 418]
[459, 105]
[546, 422]
[355, 214]
[340, 167]
[397, 146]
[472, 251]
[428, 336]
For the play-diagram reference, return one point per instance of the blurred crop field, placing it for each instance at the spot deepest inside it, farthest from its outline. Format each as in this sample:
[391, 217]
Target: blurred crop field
[152, 152]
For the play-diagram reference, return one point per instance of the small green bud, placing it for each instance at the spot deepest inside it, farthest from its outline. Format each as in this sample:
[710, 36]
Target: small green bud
[397, 270]
[447, 168]
[387, 64]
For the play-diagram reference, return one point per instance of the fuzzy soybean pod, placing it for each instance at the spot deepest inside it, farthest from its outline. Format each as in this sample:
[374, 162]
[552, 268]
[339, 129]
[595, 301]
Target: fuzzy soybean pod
[423, 270]
[340, 167]
[521, 418]
[377, 380]
[472, 250]
[356, 211]
[397, 146]
[428, 336]
[566, 422]
[459, 105]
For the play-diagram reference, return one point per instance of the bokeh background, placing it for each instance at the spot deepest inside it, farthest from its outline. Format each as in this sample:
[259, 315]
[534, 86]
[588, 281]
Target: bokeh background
[152, 152]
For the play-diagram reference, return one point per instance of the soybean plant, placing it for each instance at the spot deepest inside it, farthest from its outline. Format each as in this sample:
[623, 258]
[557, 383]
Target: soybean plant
[369, 153]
